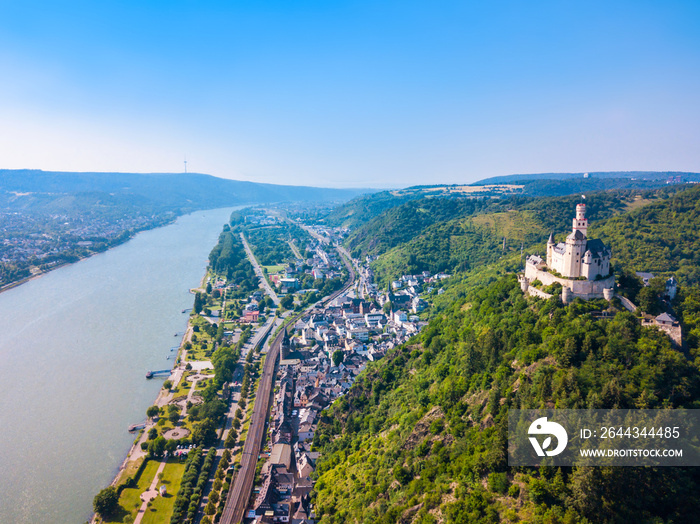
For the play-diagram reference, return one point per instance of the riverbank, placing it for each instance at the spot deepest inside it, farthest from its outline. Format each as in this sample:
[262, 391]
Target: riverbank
[118, 242]
[87, 334]
[135, 455]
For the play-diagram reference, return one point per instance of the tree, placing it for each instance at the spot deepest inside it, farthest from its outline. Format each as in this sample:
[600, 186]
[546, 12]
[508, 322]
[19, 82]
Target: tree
[171, 445]
[173, 414]
[152, 411]
[649, 301]
[152, 433]
[167, 385]
[287, 302]
[198, 303]
[338, 357]
[231, 438]
[106, 501]
[204, 433]
[157, 447]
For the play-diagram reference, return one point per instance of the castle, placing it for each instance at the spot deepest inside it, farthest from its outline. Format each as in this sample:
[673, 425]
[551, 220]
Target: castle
[580, 265]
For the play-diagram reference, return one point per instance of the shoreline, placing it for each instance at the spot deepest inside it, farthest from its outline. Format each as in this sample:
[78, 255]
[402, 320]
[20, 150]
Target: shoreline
[162, 396]
[43, 272]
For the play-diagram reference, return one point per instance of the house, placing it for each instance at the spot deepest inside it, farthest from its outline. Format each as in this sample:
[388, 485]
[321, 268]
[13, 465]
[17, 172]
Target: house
[400, 316]
[646, 277]
[664, 319]
[305, 466]
[374, 319]
[306, 432]
[251, 316]
[281, 454]
[418, 305]
[288, 285]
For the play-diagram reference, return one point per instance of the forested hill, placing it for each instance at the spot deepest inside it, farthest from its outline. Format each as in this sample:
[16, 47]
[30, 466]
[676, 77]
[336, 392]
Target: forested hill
[661, 176]
[363, 209]
[453, 234]
[421, 437]
[662, 237]
[26, 188]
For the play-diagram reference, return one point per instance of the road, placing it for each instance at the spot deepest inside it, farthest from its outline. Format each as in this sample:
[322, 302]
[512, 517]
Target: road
[238, 497]
[259, 272]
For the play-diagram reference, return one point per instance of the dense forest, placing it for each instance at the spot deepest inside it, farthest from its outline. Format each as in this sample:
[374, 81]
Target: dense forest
[421, 436]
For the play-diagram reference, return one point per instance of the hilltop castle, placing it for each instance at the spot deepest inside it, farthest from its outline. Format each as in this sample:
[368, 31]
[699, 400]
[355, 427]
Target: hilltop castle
[580, 265]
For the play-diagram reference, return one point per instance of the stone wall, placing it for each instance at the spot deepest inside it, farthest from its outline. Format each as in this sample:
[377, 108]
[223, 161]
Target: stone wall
[585, 289]
[534, 292]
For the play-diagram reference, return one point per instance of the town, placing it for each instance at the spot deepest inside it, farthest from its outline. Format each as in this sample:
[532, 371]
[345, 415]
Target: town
[326, 349]
[282, 325]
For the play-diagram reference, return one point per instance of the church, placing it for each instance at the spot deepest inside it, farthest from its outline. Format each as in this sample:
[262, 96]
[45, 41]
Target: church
[580, 265]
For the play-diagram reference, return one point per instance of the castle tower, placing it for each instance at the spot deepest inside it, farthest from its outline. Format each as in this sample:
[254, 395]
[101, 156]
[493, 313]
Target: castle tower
[575, 250]
[550, 250]
[581, 222]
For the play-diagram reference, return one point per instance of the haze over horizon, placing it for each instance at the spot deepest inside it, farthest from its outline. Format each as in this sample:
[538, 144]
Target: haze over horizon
[353, 94]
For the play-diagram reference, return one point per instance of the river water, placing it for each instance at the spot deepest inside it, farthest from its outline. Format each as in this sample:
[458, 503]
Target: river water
[75, 346]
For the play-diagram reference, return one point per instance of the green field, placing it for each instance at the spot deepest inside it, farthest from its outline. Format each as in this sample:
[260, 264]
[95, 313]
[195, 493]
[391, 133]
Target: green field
[161, 508]
[129, 500]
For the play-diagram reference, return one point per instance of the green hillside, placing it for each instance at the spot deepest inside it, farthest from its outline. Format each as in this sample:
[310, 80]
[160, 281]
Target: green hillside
[662, 237]
[362, 209]
[401, 223]
[410, 241]
[421, 437]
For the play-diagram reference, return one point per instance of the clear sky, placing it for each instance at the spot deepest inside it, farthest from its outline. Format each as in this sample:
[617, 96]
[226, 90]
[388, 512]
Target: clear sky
[350, 93]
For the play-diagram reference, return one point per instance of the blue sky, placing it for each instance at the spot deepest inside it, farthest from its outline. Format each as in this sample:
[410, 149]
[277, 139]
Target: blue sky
[354, 93]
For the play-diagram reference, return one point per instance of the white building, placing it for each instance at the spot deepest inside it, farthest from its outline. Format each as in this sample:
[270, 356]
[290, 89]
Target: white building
[578, 256]
[580, 265]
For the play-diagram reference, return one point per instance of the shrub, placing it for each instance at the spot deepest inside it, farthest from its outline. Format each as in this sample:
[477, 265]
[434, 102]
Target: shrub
[498, 482]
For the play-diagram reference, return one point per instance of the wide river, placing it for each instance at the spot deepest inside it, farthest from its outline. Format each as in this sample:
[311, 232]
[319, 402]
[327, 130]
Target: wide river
[75, 346]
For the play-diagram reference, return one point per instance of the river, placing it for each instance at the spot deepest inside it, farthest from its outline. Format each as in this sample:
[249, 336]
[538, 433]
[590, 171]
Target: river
[75, 345]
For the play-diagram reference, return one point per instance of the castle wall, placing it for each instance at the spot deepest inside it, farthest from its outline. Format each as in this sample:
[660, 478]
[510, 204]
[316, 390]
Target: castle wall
[585, 289]
[534, 292]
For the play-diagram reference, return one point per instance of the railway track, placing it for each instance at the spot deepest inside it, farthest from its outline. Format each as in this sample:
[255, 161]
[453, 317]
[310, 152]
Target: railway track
[238, 497]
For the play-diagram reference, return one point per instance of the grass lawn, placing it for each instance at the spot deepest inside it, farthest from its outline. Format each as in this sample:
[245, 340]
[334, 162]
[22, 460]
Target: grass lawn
[161, 509]
[129, 500]
[271, 270]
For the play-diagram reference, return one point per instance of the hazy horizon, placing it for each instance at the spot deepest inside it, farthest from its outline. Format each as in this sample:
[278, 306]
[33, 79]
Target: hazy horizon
[352, 94]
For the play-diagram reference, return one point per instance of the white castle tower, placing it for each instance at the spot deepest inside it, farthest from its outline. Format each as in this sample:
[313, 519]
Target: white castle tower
[578, 264]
